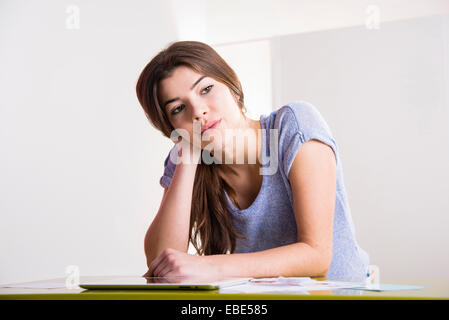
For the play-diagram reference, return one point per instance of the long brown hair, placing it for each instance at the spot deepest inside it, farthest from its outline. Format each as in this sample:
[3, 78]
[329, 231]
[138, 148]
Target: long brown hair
[210, 213]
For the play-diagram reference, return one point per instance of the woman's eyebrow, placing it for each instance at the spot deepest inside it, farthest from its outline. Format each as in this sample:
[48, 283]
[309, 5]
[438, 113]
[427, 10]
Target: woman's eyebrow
[193, 86]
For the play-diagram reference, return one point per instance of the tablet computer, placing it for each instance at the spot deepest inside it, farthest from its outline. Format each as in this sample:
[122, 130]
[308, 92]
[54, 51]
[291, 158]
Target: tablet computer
[179, 283]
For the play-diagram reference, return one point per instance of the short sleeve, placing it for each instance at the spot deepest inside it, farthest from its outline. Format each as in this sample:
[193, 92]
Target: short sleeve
[169, 168]
[299, 122]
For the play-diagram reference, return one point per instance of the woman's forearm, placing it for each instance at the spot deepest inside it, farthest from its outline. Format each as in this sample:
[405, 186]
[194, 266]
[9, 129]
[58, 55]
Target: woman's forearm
[170, 227]
[294, 260]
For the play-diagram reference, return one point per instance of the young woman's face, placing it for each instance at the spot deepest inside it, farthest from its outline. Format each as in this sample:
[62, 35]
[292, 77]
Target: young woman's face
[188, 96]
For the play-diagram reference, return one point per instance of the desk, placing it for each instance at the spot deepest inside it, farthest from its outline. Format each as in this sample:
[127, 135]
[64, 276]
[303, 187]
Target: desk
[434, 289]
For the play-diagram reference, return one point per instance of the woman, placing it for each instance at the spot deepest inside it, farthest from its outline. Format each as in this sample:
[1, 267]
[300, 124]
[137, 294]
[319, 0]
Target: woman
[292, 221]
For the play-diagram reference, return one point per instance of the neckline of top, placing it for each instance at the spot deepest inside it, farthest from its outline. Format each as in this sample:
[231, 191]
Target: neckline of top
[264, 177]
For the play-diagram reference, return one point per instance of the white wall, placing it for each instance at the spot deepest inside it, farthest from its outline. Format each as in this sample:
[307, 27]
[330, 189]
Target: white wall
[252, 62]
[80, 162]
[237, 21]
[385, 95]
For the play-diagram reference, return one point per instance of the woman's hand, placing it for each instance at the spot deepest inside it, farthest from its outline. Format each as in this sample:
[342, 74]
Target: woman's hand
[174, 263]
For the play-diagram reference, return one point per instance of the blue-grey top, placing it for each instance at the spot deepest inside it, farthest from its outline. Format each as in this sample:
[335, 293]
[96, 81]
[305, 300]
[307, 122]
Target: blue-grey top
[269, 221]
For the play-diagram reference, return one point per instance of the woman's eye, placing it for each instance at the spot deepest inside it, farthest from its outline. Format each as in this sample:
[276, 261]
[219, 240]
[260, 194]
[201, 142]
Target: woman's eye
[173, 112]
[208, 87]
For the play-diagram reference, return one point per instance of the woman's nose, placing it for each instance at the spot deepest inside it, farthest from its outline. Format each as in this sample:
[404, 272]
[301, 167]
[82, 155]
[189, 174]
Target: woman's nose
[199, 114]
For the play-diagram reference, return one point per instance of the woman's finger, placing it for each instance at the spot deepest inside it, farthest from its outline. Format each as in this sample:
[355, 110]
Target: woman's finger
[156, 262]
[162, 264]
[165, 269]
[147, 274]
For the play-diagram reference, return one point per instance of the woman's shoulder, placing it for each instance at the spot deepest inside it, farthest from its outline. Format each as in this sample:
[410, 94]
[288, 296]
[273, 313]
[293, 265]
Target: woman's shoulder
[294, 124]
[297, 107]
[297, 116]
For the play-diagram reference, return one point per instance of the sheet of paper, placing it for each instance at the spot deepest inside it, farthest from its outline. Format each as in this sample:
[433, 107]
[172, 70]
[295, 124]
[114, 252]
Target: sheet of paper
[291, 285]
[387, 287]
[251, 288]
[48, 285]
[295, 281]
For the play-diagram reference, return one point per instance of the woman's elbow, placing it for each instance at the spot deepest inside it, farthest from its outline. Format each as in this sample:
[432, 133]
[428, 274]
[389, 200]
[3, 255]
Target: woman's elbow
[325, 263]
[322, 262]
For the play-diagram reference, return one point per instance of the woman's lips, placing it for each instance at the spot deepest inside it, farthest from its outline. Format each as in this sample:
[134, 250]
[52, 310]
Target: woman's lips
[213, 126]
